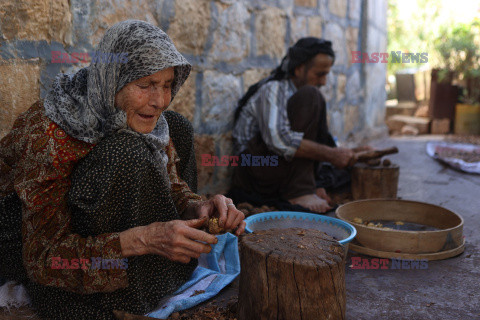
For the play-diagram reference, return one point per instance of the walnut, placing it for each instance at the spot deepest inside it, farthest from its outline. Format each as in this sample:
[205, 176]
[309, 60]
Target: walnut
[358, 220]
[213, 226]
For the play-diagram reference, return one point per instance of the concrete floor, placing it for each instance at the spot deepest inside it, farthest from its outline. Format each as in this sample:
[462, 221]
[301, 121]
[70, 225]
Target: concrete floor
[448, 289]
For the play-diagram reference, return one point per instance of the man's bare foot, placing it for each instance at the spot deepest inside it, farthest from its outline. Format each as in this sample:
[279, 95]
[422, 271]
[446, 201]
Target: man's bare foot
[320, 192]
[312, 202]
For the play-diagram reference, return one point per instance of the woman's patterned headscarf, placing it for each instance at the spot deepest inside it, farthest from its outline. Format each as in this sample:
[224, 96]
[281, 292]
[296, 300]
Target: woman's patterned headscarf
[83, 104]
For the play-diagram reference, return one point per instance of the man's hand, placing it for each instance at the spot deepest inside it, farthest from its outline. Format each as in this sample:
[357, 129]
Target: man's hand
[177, 240]
[363, 148]
[341, 157]
[229, 218]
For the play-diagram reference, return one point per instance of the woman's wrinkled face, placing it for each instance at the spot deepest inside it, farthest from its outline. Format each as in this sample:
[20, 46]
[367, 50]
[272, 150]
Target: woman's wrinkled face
[145, 99]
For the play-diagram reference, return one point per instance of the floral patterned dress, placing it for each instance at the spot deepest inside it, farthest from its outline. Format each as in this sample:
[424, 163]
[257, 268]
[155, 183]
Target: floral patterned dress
[37, 159]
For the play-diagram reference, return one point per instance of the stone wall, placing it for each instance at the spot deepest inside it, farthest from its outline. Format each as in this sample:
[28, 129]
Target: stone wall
[230, 43]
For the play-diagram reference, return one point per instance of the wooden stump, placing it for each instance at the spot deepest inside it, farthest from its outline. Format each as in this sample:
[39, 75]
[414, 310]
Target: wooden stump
[374, 182]
[291, 274]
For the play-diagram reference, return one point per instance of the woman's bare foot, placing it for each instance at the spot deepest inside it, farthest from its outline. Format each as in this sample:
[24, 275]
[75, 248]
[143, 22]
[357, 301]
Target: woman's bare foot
[312, 202]
[320, 192]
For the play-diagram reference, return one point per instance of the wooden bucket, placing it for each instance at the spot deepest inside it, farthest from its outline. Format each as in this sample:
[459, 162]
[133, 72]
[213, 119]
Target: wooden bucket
[374, 182]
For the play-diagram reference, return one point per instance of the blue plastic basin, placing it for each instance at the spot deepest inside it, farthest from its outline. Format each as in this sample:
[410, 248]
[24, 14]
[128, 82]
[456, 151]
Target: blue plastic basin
[339, 229]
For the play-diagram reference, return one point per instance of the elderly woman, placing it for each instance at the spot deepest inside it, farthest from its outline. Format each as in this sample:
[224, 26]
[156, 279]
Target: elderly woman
[107, 221]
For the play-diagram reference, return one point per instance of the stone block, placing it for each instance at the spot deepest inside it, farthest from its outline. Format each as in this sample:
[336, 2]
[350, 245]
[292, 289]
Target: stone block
[284, 4]
[223, 175]
[328, 90]
[306, 3]
[338, 7]
[204, 144]
[409, 130]
[231, 41]
[405, 86]
[355, 9]
[397, 122]
[440, 126]
[351, 118]
[422, 111]
[377, 12]
[252, 76]
[19, 89]
[336, 122]
[422, 85]
[189, 28]
[375, 94]
[108, 13]
[406, 108]
[372, 43]
[383, 43]
[335, 33]
[220, 94]
[352, 42]
[315, 26]
[381, 14]
[371, 9]
[224, 143]
[354, 90]
[270, 30]
[376, 40]
[49, 20]
[341, 84]
[184, 101]
[379, 119]
[298, 27]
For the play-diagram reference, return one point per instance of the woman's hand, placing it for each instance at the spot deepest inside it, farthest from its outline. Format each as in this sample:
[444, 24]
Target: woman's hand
[177, 240]
[180, 240]
[229, 218]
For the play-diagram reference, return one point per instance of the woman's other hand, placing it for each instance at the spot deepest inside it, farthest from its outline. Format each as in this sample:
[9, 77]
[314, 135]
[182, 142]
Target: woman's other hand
[177, 240]
[229, 217]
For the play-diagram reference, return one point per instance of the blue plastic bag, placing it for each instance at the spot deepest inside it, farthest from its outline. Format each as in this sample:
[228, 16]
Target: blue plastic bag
[214, 272]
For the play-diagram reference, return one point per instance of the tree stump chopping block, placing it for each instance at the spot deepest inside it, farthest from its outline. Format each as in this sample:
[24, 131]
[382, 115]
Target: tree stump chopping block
[291, 274]
[374, 182]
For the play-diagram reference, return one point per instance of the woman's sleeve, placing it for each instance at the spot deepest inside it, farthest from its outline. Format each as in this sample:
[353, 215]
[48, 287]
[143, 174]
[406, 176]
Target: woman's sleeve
[52, 254]
[182, 196]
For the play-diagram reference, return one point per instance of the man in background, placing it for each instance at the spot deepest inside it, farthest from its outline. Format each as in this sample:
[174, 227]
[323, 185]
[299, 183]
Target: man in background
[285, 115]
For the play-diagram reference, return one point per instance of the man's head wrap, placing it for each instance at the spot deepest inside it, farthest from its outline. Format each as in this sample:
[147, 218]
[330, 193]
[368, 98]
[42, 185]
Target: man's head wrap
[301, 52]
